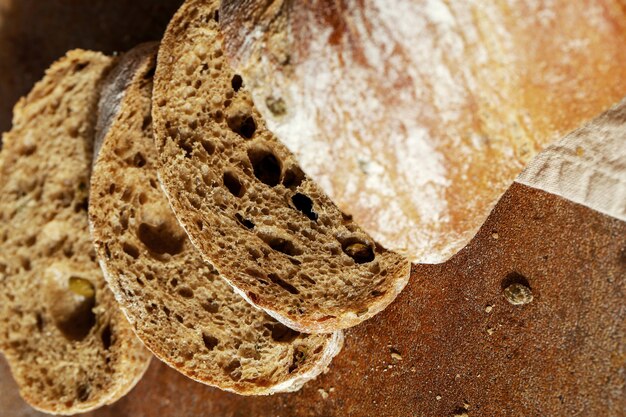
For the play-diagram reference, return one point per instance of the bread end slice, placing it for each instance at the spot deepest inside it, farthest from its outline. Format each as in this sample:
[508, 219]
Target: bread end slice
[68, 345]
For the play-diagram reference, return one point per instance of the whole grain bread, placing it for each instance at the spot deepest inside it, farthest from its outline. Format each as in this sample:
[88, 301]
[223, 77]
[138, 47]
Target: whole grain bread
[245, 202]
[429, 109]
[69, 346]
[178, 304]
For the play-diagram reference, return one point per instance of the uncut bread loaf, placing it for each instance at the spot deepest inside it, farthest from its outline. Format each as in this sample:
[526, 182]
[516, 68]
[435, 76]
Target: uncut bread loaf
[415, 116]
[244, 201]
[69, 346]
[178, 304]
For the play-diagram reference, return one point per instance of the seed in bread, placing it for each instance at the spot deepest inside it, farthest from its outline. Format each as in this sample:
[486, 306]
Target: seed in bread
[69, 346]
[247, 206]
[178, 304]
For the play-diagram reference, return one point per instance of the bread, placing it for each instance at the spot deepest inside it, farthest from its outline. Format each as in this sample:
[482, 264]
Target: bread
[69, 346]
[178, 304]
[415, 117]
[244, 201]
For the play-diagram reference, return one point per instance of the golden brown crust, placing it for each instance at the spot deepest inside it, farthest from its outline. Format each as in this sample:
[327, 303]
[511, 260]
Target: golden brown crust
[428, 109]
[69, 346]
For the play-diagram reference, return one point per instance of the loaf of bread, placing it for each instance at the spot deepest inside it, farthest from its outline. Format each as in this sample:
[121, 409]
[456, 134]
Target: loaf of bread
[415, 116]
[69, 346]
[243, 199]
[178, 304]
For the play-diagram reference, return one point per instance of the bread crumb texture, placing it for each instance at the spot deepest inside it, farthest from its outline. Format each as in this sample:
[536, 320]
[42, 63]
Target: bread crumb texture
[69, 347]
[245, 202]
[178, 304]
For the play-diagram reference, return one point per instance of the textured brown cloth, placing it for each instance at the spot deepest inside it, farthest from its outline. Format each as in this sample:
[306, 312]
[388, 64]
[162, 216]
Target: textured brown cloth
[451, 344]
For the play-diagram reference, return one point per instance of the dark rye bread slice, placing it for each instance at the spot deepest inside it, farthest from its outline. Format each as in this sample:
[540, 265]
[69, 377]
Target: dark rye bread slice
[68, 344]
[178, 304]
[245, 203]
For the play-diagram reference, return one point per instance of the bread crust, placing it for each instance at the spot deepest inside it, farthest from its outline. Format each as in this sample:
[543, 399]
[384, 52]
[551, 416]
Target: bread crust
[236, 191]
[178, 305]
[69, 346]
[429, 109]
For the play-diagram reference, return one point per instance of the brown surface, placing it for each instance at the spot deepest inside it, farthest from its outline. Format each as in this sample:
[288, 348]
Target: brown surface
[562, 354]
[33, 33]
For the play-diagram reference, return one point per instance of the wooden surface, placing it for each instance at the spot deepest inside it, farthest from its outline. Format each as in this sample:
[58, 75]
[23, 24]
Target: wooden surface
[437, 351]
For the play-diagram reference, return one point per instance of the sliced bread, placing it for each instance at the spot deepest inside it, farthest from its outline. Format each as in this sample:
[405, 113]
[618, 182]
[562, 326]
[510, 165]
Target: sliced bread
[68, 344]
[178, 304]
[244, 201]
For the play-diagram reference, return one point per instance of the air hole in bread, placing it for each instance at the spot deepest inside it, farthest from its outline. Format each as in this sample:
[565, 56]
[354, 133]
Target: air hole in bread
[185, 292]
[208, 146]
[39, 321]
[280, 244]
[236, 82]
[187, 147]
[253, 297]
[130, 249]
[267, 167]
[358, 250]
[25, 263]
[139, 160]
[105, 336]
[166, 311]
[147, 121]
[81, 66]
[210, 341]
[233, 370]
[211, 307]
[112, 188]
[179, 318]
[82, 392]
[248, 224]
[30, 241]
[304, 205]
[281, 333]
[297, 360]
[161, 239]
[283, 284]
[233, 184]
[293, 177]
[242, 124]
[377, 293]
[216, 16]
[307, 278]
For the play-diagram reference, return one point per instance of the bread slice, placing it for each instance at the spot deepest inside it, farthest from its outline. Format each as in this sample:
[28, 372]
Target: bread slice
[178, 304]
[430, 109]
[244, 201]
[69, 346]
